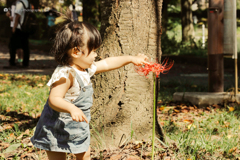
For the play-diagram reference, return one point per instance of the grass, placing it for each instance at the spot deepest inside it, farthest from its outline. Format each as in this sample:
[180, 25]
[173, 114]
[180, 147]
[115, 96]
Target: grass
[18, 92]
[22, 97]
[200, 134]
[212, 134]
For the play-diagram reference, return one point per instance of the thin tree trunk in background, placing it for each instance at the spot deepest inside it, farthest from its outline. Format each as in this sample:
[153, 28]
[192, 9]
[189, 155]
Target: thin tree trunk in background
[187, 21]
[165, 15]
[123, 100]
[91, 11]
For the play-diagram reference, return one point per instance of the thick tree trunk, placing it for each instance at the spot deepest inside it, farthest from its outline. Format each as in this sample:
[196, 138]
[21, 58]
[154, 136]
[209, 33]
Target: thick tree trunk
[187, 21]
[123, 100]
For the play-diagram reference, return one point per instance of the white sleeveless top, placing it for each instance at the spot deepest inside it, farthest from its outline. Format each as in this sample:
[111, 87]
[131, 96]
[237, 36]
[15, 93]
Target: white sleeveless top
[63, 72]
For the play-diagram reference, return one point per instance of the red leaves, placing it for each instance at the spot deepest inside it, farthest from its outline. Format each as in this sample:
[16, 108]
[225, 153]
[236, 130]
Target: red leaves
[154, 67]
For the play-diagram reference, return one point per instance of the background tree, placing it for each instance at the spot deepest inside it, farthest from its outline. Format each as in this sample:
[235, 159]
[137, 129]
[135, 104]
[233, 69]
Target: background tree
[187, 21]
[165, 13]
[91, 11]
[123, 100]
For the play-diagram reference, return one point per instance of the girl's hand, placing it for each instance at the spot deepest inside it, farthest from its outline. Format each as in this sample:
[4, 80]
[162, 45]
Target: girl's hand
[140, 59]
[78, 115]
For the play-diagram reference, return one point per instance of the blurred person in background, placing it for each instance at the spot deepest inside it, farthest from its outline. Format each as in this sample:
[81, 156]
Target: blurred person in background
[51, 16]
[74, 13]
[14, 39]
[19, 39]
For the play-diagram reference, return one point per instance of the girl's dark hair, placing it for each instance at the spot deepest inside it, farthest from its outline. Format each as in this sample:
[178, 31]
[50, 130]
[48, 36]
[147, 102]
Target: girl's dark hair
[70, 34]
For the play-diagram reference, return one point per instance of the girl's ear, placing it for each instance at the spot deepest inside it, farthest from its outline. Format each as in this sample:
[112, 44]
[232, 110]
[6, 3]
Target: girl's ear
[75, 52]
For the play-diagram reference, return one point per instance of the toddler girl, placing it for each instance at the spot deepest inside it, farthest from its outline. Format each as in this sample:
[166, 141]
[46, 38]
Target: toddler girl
[64, 123]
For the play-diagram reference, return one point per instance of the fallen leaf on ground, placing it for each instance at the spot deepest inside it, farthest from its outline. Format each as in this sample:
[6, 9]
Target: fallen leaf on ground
[12, 135]
[162, 123]
[232, 150]
[115, 157]
[175, 110]
[188, 121]
[161, 108]
[208, 108]
[185, 111]
[4, 145]
[231, 109]
[133, 158]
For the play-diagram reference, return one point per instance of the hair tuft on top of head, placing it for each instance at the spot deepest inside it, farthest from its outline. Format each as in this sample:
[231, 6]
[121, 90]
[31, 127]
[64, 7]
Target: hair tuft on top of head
[70, 34]
[66, 17]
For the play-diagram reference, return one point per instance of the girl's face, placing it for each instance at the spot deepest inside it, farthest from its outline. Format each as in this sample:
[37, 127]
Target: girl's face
[83, 59]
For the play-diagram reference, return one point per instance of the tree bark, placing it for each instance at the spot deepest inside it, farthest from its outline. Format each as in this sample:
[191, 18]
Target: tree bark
[123, 100]
[187, 21]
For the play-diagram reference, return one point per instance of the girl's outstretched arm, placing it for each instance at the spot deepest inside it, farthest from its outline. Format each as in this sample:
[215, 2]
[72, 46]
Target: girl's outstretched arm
[57, 102]
[112, 63]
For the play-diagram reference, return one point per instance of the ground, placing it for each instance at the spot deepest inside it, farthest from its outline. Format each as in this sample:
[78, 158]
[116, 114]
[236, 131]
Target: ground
[173, 112]
[41, 62]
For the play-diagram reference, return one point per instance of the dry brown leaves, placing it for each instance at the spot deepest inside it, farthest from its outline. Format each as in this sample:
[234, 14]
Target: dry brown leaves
[135, 151]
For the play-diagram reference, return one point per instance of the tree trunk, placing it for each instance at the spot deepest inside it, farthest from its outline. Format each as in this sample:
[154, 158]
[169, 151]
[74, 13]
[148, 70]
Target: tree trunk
[123, 100]
[165, 15]
[187, 21]
[91, 11]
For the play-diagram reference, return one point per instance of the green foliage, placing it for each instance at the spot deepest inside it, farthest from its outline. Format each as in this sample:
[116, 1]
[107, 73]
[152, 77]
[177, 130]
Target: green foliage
[238, 4]
[171, 41]
[68, 2]
[173, 8]
[174, 2]
[2, 3]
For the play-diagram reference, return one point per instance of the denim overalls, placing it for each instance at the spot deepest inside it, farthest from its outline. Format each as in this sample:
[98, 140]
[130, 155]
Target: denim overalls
[56, 131]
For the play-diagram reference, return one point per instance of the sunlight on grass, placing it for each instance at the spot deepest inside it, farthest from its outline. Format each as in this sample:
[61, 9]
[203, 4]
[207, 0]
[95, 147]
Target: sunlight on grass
[215, 134]
[23, 93]
[22, 98]
[212, 133]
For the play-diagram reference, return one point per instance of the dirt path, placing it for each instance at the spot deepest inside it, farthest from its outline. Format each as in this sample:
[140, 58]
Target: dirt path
[40, 62]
